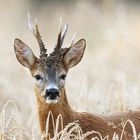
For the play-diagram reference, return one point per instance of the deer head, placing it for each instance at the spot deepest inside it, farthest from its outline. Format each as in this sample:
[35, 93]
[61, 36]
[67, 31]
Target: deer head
[49, 71]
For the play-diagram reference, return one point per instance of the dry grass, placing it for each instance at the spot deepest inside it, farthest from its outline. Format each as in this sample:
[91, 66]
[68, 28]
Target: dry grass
[108, 75]
[11, 129]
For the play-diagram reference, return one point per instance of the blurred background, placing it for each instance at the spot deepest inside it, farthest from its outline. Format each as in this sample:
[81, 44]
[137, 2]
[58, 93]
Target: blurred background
[106, 80]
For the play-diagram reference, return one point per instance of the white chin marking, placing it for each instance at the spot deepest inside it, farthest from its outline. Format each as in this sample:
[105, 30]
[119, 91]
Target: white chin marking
[49, 101]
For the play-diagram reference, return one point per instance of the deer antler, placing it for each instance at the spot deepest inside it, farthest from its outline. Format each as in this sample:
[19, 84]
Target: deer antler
[34, 29]
[61, 36]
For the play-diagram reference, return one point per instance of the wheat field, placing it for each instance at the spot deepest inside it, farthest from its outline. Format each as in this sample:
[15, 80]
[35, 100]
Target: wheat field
[108, 75]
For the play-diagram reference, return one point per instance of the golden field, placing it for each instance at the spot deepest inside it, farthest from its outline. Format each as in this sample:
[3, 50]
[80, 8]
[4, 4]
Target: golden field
[106, 80]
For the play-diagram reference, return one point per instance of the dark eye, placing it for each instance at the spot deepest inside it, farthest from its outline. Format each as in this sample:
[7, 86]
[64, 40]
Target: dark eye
[63, 77]
[38, 77]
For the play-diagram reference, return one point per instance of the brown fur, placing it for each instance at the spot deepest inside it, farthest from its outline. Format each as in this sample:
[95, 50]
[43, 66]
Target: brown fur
[88, 122]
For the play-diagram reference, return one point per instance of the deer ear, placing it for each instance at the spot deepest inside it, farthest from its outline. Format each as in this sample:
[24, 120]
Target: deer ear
[24, 54]
[75, 53]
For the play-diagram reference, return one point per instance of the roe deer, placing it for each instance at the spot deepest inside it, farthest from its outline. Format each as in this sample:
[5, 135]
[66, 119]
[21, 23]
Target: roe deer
[50, 72]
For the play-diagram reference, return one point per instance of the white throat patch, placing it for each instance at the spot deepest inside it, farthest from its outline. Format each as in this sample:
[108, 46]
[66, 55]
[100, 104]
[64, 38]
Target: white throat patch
[50, 101]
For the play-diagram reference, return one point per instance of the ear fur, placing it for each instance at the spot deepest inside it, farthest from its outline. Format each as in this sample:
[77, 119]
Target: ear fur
[24, 54]
[75, 53]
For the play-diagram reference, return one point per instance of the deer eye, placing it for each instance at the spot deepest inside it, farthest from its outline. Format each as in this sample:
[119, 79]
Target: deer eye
[63, 77]
[38, 77]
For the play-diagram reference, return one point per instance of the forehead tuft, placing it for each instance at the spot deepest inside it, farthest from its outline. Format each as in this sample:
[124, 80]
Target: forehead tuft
[53, 62]
[55, 58]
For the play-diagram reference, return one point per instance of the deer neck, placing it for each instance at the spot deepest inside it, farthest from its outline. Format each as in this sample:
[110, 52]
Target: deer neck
[62, 107]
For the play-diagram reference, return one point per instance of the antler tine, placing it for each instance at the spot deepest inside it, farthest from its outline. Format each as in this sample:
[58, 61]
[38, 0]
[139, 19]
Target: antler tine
[61, 35]
[58, 45]
[64, 33]
[60, 24]
[35, 31]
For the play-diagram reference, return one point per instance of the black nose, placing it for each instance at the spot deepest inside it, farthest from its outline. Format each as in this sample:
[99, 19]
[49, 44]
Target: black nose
[52, 93]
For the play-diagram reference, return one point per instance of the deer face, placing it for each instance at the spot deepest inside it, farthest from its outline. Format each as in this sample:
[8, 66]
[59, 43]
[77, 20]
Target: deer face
[50, 71]
[50, 76]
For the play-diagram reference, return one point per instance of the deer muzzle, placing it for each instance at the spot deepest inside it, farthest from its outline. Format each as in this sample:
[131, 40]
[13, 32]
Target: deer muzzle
[52, 95]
